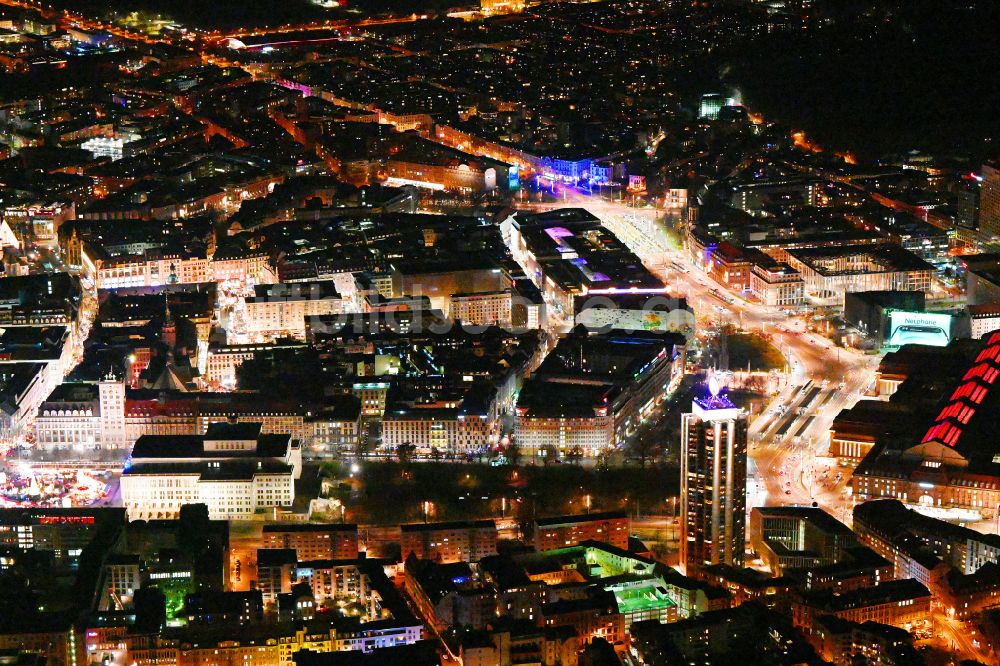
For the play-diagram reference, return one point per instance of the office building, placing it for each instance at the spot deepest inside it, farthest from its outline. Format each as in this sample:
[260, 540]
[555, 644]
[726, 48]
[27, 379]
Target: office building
[233, 468]
[967, 204]
[713, 482]
[711, 104]
[777, 284]
[152, 268]
[33, 360]
[757, 196]
[989, 200]
[50, 299]
[481, 309]
[594, 390]
[830, 272]
[983, 319]
[106, 415]
[277, 310]
[982, 278]
[750, 630]
[730, 266]
[569, 253]
[222, 360]
[242, 266]
[798, 536]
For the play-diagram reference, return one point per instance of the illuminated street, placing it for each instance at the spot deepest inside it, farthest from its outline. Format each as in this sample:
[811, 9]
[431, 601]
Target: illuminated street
[493, 332]
[789, 461]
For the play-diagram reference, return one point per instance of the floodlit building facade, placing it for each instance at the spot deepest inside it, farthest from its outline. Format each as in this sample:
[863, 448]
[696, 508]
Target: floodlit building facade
[713, 483]
[234, 469]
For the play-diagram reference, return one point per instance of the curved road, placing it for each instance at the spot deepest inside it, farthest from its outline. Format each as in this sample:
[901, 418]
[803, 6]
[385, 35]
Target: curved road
[784, 468]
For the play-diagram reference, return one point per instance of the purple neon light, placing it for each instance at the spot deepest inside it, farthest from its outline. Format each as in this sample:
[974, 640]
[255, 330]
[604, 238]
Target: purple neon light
[555, 233]
[710, 402]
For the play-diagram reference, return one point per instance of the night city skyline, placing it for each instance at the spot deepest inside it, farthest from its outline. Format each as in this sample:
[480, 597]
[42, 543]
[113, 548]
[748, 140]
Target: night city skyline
[499, 332]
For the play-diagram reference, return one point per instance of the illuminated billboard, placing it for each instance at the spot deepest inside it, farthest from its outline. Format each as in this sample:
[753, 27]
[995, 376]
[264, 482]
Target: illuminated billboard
[918, 328]
[513, 178]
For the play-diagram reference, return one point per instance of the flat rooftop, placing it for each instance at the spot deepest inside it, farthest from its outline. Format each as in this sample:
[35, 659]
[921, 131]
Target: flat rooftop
[650, 596]
[859, 259]
[579, 254]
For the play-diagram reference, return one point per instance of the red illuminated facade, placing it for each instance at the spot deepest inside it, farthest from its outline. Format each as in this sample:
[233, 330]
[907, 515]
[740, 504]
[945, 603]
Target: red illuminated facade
[955, 464]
